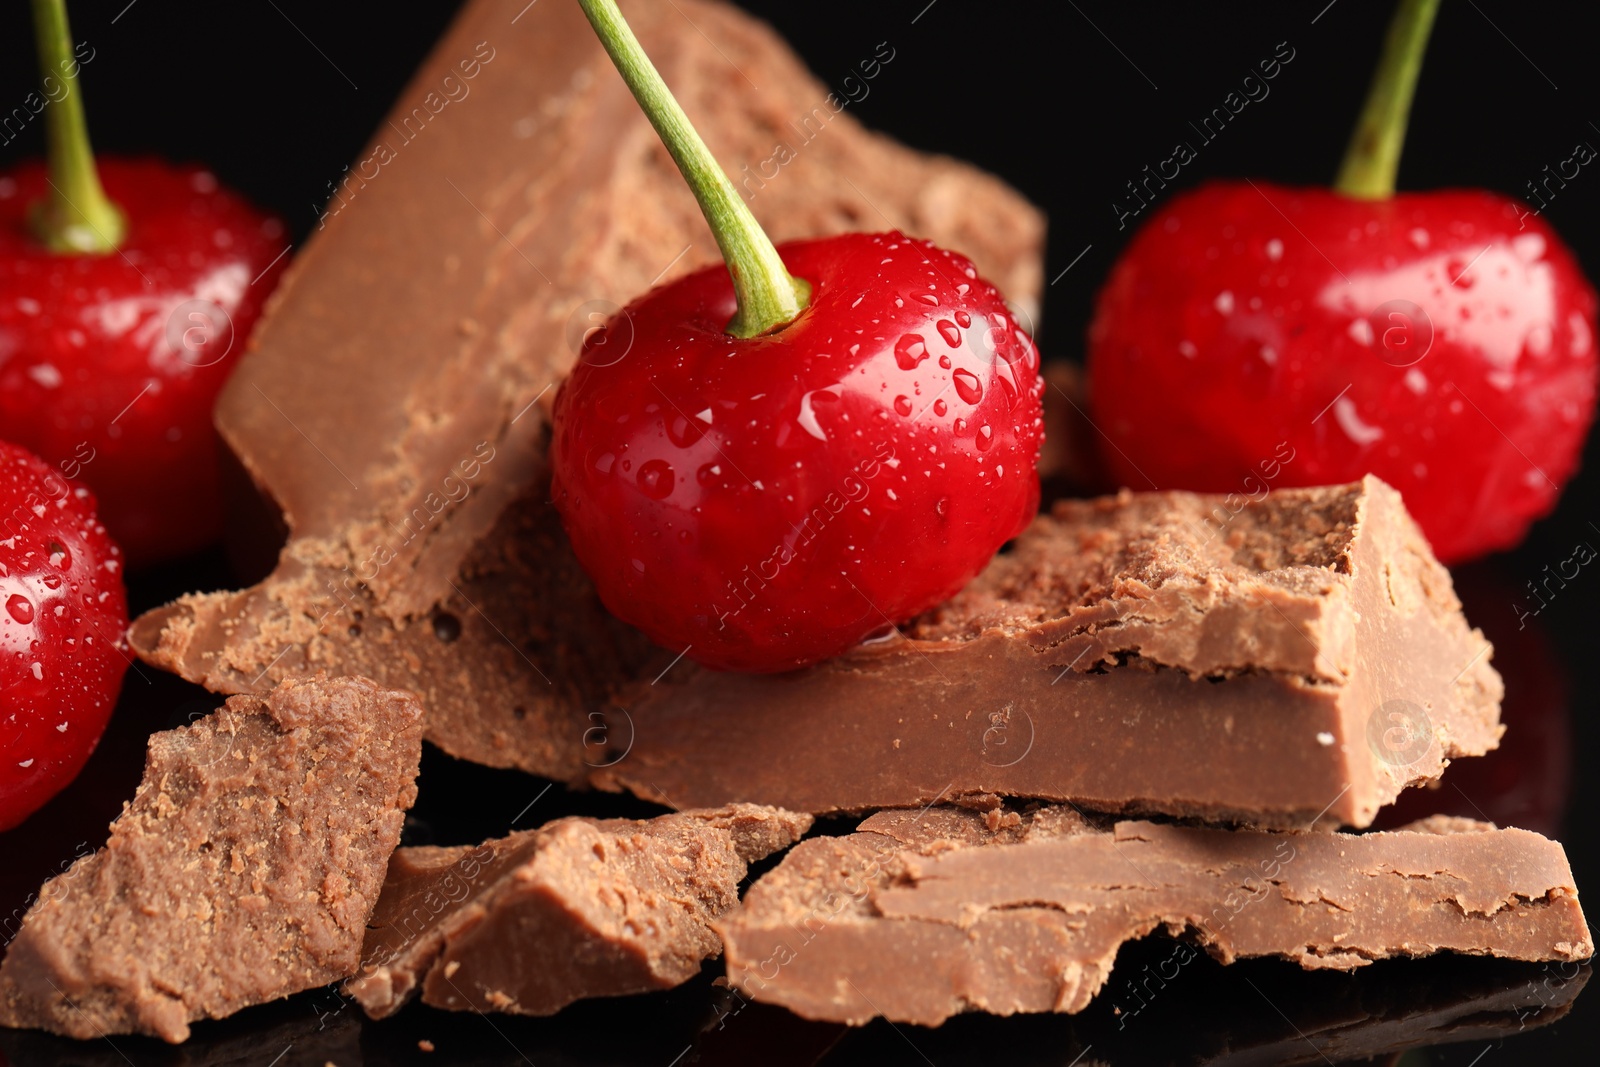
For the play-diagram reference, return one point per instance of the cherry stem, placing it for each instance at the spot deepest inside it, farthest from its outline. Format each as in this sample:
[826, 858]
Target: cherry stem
[77, 218]
[768, 296]
[1373, 157]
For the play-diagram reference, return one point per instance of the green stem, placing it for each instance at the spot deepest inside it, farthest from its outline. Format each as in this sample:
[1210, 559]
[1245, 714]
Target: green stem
[77, 217]
[1373, 158]
[768, 297]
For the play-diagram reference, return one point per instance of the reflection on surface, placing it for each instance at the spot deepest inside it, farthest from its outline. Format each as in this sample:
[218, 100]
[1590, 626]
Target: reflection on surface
[1526, 781]
[1257, 1012]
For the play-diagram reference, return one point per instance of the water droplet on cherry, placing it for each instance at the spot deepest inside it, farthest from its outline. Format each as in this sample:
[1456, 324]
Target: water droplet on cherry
[808, 413]
[53, 581]
[985, 438]
[656, 479]
[684, 432]
[968, 387]
[940, 407]
[1008, 382]
[910, 350]
[21, 608]
[963, 319]
[902, 404]
[944, 362]
[948, 331]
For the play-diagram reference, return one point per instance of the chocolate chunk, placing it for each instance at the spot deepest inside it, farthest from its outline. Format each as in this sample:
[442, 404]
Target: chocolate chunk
[921, 915]
[244, 869]
[1295, 659]
[578, 908]
[395, 402]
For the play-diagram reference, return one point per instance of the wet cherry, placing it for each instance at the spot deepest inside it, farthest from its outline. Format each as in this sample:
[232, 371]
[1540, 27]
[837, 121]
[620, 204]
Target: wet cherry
[800, 449]
[62, 653]
[767, 502]
[1444, 341]
[125, 307]
[113, 362]
[1438, 340]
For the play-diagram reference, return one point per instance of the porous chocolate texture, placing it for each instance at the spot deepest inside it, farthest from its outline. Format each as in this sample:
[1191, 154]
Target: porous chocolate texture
[578, 908]
[921, 915]
[243, 870]
[1282, 662]
[394, 406]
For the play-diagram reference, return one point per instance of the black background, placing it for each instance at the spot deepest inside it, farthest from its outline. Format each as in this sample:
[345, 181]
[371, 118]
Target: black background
[279, 95]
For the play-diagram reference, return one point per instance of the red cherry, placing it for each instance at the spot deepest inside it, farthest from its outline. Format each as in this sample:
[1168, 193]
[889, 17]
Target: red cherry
[1444, 341]
[62, 617]
[767, 503]
[110, 364]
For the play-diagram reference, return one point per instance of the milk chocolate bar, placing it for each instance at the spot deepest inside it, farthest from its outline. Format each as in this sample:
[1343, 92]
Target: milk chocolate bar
[244, 869]
[579, 908]
[1280, 662]
[394, 404]
[918, 916]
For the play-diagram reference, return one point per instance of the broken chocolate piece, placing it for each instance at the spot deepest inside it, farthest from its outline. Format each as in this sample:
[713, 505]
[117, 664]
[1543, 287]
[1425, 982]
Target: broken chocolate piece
[392, 405]
[578, 908]
[1296, 659]
[244, 869]
[921, 915]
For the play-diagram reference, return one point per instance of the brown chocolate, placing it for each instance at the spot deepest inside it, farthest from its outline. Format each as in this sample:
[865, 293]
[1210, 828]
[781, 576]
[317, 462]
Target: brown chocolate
[921, 915]
[244, 869]
[394, 405]
[1303, 660]
[578, 908]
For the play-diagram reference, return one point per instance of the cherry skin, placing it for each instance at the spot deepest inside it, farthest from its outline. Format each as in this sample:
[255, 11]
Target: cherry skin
[110, 364]
[62, 617]
[1444, 341]
[767, 503]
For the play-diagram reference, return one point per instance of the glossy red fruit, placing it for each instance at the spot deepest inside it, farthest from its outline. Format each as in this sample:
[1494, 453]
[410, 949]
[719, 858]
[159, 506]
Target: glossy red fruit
[767, 503]
[110, 364]
[62, 617]
[1444, 341]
